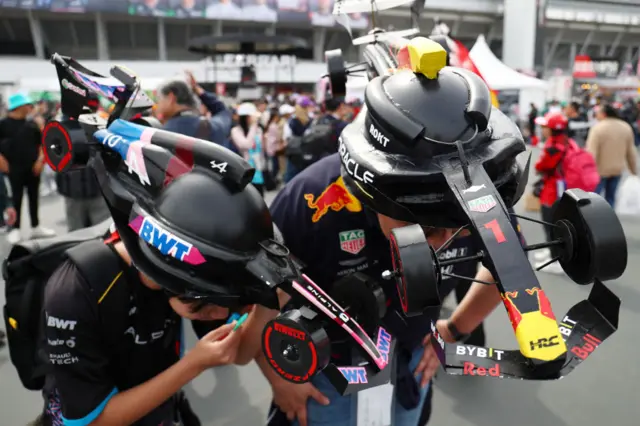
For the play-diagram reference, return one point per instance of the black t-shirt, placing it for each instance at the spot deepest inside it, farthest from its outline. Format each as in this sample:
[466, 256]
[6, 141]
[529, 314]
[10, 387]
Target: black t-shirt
[579, 129]
[334, 235]
[20, 142]
[87, 368]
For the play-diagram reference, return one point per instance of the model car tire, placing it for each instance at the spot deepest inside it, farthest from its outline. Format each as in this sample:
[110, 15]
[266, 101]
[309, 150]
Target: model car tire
[337, 71]
[416, 270]
[595, 244]
[362, 298]
[296, 348]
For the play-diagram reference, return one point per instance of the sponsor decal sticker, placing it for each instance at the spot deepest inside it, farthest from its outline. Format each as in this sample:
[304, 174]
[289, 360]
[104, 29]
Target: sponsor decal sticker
[354, 375]
[352, 241]
[70, 86]
[335, 197]
[167, 243]
[482, 204]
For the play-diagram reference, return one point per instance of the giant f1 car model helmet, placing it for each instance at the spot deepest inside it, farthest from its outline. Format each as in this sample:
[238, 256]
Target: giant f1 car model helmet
[429, 149]
[183, 207]
[190, 221]
[416, 126]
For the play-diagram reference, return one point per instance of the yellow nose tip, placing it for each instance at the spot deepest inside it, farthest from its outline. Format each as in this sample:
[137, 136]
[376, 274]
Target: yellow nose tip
[13, 323]
[427, 57]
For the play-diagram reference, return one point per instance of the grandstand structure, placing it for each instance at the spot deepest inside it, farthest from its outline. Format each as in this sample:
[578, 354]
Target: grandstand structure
[565, 29]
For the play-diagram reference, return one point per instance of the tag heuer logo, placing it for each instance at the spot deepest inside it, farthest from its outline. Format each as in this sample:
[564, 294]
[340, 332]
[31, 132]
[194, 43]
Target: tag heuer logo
[352, 241]
[482, 204]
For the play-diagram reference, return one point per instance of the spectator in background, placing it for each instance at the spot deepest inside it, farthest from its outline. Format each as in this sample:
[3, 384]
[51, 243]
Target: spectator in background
[22, 159]
[264, 112]
[336, 112]
[9, 218]
[285, 111]
[611, 142]
[578, 123]
[83, 201]
[533, 113]
[296, 128]
[273, 145]
[555, 144]
[178, 107]
[247, 137]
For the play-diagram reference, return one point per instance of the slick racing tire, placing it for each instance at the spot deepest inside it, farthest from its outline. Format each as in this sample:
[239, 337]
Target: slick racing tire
[416, 270]
[295, 347]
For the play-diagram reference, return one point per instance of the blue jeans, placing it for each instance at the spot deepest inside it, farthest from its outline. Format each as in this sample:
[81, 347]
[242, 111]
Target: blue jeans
[290, 172]
[342, 411]
[609, 186]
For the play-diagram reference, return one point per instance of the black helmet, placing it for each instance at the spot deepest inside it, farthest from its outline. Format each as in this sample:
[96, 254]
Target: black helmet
[421, 124]
[188, 218]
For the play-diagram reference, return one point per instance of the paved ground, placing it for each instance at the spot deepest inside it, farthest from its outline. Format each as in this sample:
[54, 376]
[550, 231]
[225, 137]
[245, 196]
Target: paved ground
[603, 391]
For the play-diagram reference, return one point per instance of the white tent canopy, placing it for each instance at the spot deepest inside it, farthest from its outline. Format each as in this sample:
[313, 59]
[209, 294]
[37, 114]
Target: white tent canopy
[498, 75]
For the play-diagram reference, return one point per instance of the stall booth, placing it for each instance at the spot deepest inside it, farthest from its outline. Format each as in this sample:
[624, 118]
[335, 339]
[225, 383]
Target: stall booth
[524, 89]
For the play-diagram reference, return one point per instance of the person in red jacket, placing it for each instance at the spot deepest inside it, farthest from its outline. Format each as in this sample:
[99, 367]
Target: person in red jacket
[555, 132]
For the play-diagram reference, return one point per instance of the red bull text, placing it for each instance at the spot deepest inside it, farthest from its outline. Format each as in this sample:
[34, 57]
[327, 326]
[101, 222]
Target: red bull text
[589, 344]
[470, 369]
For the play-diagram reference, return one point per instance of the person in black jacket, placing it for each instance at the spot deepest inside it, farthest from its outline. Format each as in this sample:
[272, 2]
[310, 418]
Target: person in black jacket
[84, 205]
[295, 129]
[9, 218]
[178, 107]
[578, 123]
[22, 160]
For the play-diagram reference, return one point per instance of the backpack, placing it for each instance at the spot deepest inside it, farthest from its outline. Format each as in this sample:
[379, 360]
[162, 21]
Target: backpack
[318, 141]
[578, 168]
[26, 272]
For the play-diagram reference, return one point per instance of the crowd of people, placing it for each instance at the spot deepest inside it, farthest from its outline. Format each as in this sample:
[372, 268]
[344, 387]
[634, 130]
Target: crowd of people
[274, 136]
[267, 132]
[595, 152]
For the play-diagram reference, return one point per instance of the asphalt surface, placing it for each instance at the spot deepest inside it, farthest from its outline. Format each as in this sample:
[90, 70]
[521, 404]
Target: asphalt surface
[603, 390]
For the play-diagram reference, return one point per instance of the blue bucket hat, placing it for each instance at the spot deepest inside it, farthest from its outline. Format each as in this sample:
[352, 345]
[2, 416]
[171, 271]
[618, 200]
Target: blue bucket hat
[18, 100]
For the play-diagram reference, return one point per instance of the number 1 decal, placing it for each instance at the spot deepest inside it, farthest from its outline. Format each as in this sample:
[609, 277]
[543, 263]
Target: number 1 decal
[494, 226]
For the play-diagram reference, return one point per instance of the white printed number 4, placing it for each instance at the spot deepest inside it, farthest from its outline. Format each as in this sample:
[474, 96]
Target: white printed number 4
[221, 167]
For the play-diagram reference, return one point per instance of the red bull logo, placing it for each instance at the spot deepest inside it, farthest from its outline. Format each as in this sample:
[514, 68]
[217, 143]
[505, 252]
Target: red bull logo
[514, 314]
[335, 197]
[543, 302]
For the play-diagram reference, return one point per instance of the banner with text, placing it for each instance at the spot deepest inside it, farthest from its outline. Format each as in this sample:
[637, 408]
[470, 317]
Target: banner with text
[591, 67]
[303, 11]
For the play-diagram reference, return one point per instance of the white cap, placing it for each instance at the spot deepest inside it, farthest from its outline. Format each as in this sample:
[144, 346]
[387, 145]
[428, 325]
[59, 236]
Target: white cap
[247, 108]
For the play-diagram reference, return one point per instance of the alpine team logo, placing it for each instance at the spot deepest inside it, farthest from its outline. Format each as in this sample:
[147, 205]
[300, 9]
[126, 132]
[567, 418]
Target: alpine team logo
[482, 204]
[167, 243]
[352, 241]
